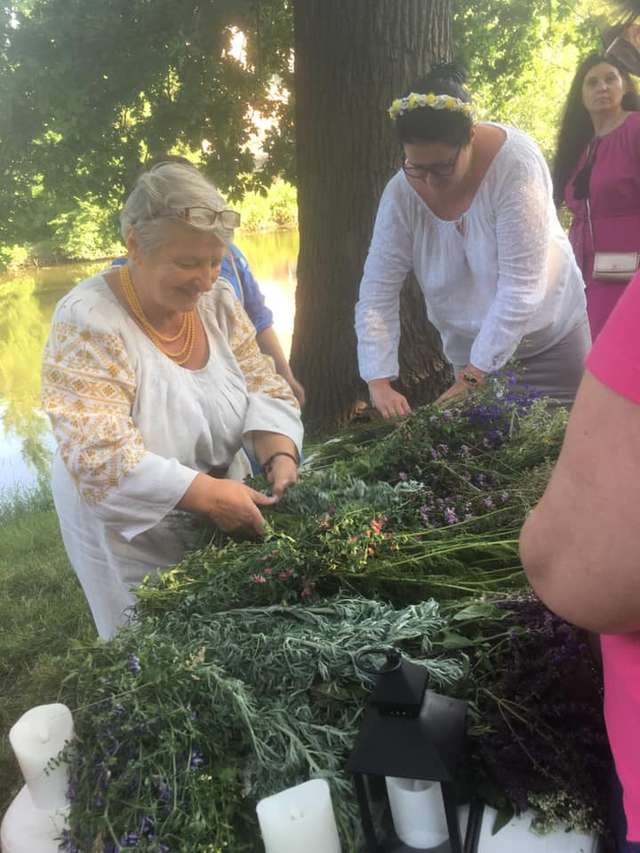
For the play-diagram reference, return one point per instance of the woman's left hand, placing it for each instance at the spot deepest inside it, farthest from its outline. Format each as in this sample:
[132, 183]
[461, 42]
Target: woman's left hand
[458, 391]
[283, 472]
[466, 381]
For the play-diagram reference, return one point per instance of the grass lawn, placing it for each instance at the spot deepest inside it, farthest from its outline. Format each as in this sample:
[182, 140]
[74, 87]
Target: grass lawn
[42, 615]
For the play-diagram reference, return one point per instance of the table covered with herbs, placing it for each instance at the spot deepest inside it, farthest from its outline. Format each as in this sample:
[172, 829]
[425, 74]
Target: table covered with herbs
[237, 678]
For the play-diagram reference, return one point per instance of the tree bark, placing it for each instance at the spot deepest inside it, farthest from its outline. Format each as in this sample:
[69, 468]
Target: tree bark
[352, 57]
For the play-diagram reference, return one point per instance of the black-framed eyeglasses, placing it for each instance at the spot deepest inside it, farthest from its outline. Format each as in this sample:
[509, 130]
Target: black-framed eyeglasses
[203, 217]
[440, 170]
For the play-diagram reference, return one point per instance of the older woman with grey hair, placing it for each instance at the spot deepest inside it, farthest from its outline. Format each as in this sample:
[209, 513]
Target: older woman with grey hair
[154, 383]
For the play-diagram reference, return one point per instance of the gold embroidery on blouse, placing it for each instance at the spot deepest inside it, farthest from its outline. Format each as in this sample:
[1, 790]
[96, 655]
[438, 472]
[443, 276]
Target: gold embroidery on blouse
[88, 388]
[258, 368]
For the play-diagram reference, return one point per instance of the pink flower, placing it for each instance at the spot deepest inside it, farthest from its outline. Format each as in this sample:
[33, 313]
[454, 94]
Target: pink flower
[377, 524]
[308, 589]
[258, 579]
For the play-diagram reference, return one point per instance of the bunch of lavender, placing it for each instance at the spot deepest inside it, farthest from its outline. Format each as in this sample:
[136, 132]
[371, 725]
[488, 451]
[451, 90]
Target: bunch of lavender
[536, 697]
[184, 722]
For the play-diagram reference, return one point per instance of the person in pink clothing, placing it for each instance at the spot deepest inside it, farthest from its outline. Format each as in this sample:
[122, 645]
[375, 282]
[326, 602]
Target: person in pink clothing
[597, 174]
[580, 546]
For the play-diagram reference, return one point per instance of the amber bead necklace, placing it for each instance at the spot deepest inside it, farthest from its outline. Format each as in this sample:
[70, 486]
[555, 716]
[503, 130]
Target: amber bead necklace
[187, 328]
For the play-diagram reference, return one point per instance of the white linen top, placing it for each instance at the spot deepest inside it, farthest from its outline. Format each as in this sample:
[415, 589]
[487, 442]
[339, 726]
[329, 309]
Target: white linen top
[500, 281]
[134, 429]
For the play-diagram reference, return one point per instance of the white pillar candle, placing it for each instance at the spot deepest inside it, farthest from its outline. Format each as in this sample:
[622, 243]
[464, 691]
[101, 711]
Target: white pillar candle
[36, 739]
[26, 829]
[417, 810]
[299, 820]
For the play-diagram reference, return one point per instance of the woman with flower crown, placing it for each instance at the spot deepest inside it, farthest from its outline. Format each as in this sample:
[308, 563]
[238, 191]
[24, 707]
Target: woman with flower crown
[154, 383]
[471, 213]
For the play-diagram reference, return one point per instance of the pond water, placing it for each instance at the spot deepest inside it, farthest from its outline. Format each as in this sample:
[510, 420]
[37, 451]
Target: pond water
[27, 301]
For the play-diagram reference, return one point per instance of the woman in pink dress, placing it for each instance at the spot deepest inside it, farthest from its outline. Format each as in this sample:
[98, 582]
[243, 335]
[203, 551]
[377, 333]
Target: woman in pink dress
[597, 174]
[580, 546]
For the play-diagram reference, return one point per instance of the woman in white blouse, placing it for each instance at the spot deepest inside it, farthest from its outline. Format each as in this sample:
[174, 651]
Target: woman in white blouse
[154, 383]
[471, 212]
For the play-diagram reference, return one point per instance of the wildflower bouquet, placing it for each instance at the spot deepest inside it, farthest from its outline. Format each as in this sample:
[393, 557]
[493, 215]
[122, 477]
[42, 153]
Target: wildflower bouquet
[237, 678]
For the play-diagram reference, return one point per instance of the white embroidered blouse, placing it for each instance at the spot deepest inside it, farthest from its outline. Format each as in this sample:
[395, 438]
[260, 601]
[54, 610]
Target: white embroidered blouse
[500, 281]
[134, 428]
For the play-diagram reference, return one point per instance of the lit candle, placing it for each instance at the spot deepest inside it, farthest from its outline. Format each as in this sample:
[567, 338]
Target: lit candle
[36, 739]
[299, 820]
[417, 810]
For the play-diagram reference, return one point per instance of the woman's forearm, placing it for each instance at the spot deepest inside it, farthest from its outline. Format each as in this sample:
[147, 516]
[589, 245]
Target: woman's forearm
[266, 444]
[269, 344]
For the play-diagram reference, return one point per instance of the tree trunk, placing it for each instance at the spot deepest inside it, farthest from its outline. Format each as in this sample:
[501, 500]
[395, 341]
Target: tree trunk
[352, 57]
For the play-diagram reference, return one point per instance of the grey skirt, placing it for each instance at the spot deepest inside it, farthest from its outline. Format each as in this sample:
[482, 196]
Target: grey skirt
[555, 372]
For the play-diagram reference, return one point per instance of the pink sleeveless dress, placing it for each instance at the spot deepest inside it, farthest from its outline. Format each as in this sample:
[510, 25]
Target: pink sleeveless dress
[615, 214]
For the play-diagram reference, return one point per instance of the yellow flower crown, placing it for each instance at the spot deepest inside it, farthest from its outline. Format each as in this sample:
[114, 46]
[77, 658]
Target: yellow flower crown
[436, 102]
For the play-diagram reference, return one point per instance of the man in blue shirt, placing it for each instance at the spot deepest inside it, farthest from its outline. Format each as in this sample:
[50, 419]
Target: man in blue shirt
[235, 269]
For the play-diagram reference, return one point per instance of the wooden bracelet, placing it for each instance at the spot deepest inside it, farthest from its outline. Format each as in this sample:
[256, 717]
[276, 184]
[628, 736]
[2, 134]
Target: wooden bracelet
[266, 467]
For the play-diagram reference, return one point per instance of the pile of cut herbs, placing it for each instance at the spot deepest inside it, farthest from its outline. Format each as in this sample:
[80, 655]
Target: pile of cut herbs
[238, 677]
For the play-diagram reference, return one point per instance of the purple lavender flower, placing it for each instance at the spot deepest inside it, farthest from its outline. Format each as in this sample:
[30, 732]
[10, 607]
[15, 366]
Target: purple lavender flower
[147, 827]
[450, 516]
[197, 759]
[425, 512]
[133, 665]
[403, 476]
[67, 844]
[488, 502]
[131, 839]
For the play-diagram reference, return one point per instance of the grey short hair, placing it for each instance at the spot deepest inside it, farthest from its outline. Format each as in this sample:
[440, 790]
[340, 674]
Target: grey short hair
[165, 186]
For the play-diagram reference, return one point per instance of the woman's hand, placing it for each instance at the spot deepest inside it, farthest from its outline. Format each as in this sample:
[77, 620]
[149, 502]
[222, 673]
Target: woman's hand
[466, 381]
[388, 402]
[298, 390]
[232, 506]
[283, 472]
[458, 391]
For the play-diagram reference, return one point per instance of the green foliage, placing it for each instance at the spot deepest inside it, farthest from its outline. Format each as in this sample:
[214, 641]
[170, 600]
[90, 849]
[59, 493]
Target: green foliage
[90, 90]
[276, 207]
[85, 232]
[13, 257]
[522, 56]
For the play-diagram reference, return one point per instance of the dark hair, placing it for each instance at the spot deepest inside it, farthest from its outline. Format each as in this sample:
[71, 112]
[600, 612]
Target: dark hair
[425, 124]
[576, 129]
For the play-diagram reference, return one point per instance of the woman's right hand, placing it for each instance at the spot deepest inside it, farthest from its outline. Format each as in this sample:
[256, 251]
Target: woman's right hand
[388, 402]
[232, 506]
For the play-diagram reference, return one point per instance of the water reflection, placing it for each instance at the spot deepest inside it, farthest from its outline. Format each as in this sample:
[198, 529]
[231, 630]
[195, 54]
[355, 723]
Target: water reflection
[26, 306]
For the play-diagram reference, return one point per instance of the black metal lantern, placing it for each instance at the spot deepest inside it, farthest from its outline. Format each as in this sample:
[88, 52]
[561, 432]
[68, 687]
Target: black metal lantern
[409, 732]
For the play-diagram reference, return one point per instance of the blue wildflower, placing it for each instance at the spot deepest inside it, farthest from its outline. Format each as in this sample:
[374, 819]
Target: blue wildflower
[134, 665]
[197, 759]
